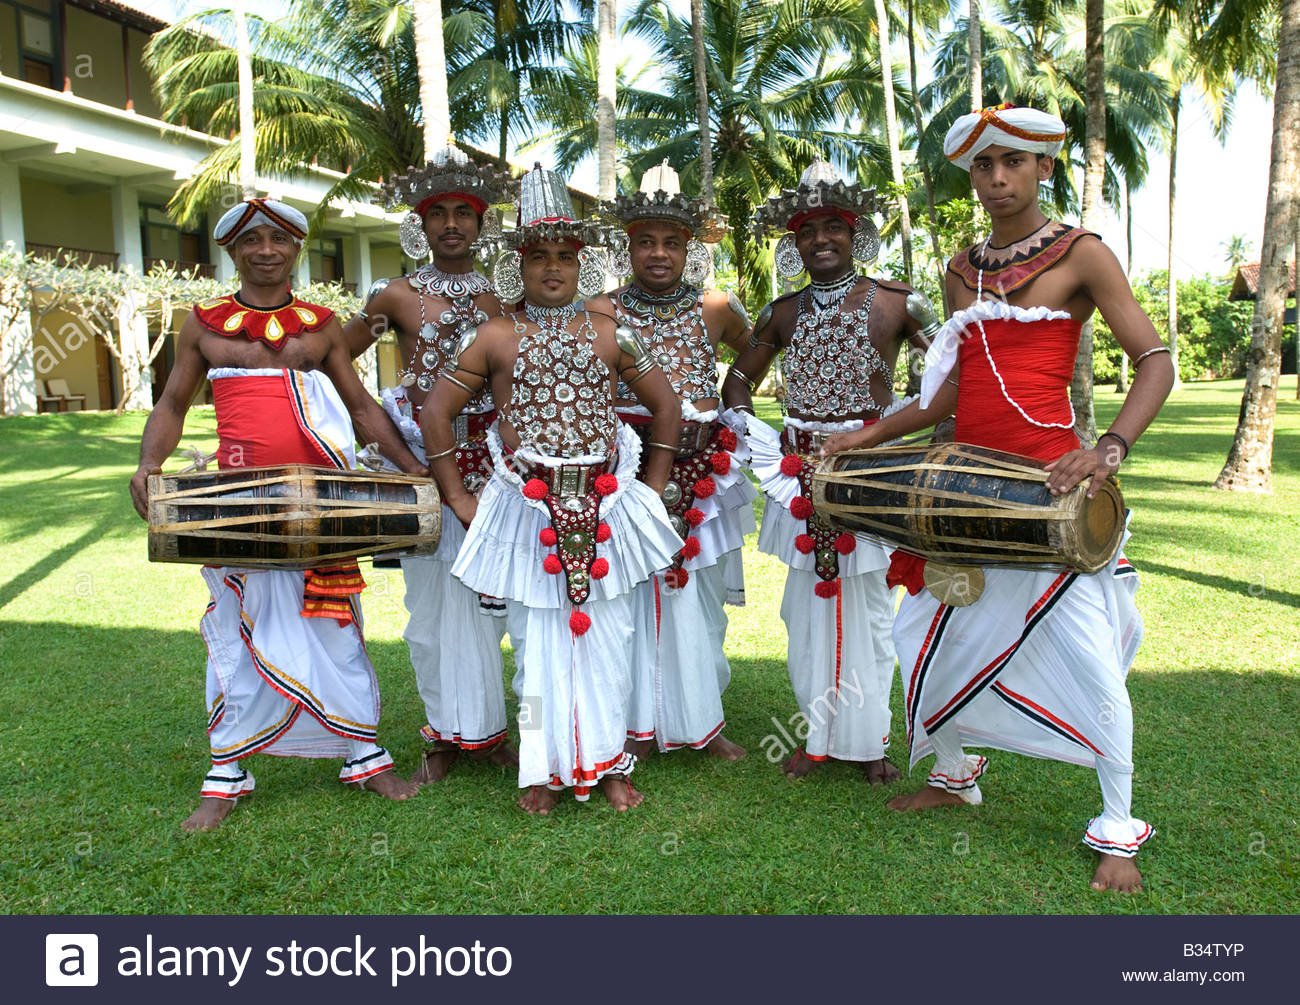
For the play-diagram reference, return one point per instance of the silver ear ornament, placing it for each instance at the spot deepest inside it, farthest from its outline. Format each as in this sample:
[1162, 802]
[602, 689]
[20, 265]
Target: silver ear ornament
[699, 264]
[866, 241]
[592, 272]
[415, 244]
[789, 263]
[507, 278]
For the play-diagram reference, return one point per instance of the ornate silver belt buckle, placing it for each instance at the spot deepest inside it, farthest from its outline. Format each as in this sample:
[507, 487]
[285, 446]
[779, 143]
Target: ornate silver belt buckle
[460, 430]
[572, 480]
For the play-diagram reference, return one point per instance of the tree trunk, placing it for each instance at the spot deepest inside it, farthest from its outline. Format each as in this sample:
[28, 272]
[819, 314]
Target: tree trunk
[1121, 383]
[974, 42]
[917, 123]
[702, 101]
[1249, 466]
[431, 63]
[1094, 168]
[1175, 106]
[891, 137]
[606, 85]
[247, 150]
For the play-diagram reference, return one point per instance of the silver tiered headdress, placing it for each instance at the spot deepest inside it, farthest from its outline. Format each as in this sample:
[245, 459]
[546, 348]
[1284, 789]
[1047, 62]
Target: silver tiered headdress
[660, 198]
[449, 172]
[820, 189]
[546, 214]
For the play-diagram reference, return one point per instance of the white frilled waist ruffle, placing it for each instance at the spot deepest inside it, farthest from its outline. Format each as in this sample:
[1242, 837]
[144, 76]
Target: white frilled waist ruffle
[942, 354]
[502, 553]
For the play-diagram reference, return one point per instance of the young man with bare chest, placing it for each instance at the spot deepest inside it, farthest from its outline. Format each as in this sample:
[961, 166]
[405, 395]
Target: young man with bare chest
[455, 644]
[1037, 663]
[839, 338]
[680, 669]
[564, 530]
[287, 667]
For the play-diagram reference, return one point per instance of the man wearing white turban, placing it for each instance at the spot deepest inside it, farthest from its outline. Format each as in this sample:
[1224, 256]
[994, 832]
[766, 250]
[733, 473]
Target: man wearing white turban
[280, 643]
[1037, 665]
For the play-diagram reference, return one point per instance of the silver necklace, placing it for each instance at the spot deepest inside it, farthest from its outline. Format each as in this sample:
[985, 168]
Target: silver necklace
[547, 318]
[828, 296]
[451, 285]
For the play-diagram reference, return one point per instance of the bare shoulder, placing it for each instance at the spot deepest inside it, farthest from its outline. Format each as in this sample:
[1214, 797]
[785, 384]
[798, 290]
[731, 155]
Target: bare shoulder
[603, 321]
[890, 287]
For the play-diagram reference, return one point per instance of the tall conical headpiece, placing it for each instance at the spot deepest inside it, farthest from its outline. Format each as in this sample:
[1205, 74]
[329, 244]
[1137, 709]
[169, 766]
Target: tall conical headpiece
[546, 214]
[820, 189]
[660, 198]
[448, 172]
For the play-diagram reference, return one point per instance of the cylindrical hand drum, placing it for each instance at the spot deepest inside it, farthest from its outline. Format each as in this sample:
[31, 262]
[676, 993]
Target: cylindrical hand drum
[290, 517]
[965, 505]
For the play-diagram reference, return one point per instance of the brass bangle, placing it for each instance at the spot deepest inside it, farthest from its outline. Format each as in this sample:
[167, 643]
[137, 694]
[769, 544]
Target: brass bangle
[742, 408]
[460, 383]
[661, 446]
[745, 378]
[442, 453]
[639, 374]
[949, 380]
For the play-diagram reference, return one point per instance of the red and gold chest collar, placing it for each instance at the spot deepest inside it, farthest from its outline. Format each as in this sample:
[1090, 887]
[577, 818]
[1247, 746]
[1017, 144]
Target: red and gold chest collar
[1029, 259]
[227, 316]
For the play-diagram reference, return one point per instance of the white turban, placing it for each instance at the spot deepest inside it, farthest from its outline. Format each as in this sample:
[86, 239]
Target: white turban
[1003, 125]
[255, 213]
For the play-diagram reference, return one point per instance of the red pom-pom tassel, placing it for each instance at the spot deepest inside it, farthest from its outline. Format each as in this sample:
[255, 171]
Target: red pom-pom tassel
[845, 544]
[579, 622]
[721, 463]
[726, 439]
[691, 547]
[600, 568]
[704, 488]
[676, 578]
[606, 485]
[551, 563]
[804, 544]
[693, 517]
[535, 489]
[827, 588]
[547, 537]
[603, 533]
[791, 465]
[801, 507]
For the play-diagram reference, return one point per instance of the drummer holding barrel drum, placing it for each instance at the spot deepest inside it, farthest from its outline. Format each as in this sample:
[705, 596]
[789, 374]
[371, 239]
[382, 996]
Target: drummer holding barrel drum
[287, 667]
[1024, 651]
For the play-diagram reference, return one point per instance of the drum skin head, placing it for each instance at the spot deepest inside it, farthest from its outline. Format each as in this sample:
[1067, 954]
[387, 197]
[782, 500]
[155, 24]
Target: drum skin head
[1100, 528]
[954, 585]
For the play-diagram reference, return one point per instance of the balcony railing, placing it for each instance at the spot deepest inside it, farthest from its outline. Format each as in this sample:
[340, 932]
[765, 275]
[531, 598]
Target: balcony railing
[204, 270]
[78, 256]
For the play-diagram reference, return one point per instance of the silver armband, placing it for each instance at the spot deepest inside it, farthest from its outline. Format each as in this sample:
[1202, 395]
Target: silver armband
[466, 340]
[923, 313]
[764, 316]
[629, 340]
[734, 303]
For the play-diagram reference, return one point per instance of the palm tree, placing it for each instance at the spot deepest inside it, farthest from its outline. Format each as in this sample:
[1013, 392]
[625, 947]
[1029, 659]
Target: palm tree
[607, 40]
[931, 14]
[702, 101]
[1236, 251]
[975, 46]
[247, 126]
[789, 78]
[431, 62]
[891, 136]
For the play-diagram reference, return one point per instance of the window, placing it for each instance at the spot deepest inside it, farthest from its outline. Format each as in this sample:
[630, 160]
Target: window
[161, 240]
[326, 257]
[37, 38]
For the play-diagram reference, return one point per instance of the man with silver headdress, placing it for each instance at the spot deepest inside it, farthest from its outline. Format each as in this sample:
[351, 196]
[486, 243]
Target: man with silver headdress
[564, 530]
[839, 338]
[287, 670]
[455, 644]
[680, 670]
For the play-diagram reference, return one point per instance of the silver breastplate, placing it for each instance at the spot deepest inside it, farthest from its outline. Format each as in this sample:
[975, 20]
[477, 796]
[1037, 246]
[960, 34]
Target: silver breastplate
[437, 339]
[559, 400]
[830, 360]
[673, 331]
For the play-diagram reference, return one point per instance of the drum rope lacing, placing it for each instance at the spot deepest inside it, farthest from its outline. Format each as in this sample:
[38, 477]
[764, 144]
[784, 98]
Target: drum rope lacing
[979, 323]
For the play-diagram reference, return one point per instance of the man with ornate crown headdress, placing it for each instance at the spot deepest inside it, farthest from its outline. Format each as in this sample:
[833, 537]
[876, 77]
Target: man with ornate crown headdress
[563, 531]
[280, 643]
[838, 338]
[455, 643]
[1037, 664]
[680, 670]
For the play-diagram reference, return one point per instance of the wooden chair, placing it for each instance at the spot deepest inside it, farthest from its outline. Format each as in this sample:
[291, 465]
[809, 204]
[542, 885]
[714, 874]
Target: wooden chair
[57, 391]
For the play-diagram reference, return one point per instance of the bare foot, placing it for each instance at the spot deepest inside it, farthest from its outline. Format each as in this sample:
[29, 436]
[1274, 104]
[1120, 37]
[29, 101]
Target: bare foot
[881, 772]
[538, 800]
[798, 764]
[639, 748]
[620, 793]
[501, 753]
[723, 749]
[1116, 873]
[388, 784]
[436, 763]
[209, 815]
[927, 798]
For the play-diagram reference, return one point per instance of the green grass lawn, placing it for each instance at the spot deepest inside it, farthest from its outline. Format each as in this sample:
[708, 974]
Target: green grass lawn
[102, 711]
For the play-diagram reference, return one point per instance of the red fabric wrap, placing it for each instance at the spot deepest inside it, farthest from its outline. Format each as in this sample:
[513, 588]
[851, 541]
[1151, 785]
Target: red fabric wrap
[426, 204]
[799, 219]
[1036, 360]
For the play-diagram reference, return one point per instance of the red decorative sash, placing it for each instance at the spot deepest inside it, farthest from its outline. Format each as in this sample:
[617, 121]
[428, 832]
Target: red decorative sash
[1024, 267]
[227, 316]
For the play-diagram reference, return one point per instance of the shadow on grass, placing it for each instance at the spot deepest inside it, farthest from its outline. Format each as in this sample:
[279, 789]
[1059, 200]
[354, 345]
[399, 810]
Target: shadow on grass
[51, 561]
[114, 754]
[1253, 590]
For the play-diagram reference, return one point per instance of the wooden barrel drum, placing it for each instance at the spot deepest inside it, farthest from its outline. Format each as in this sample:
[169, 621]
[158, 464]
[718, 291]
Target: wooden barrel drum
[960, 504]
[289, 517]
